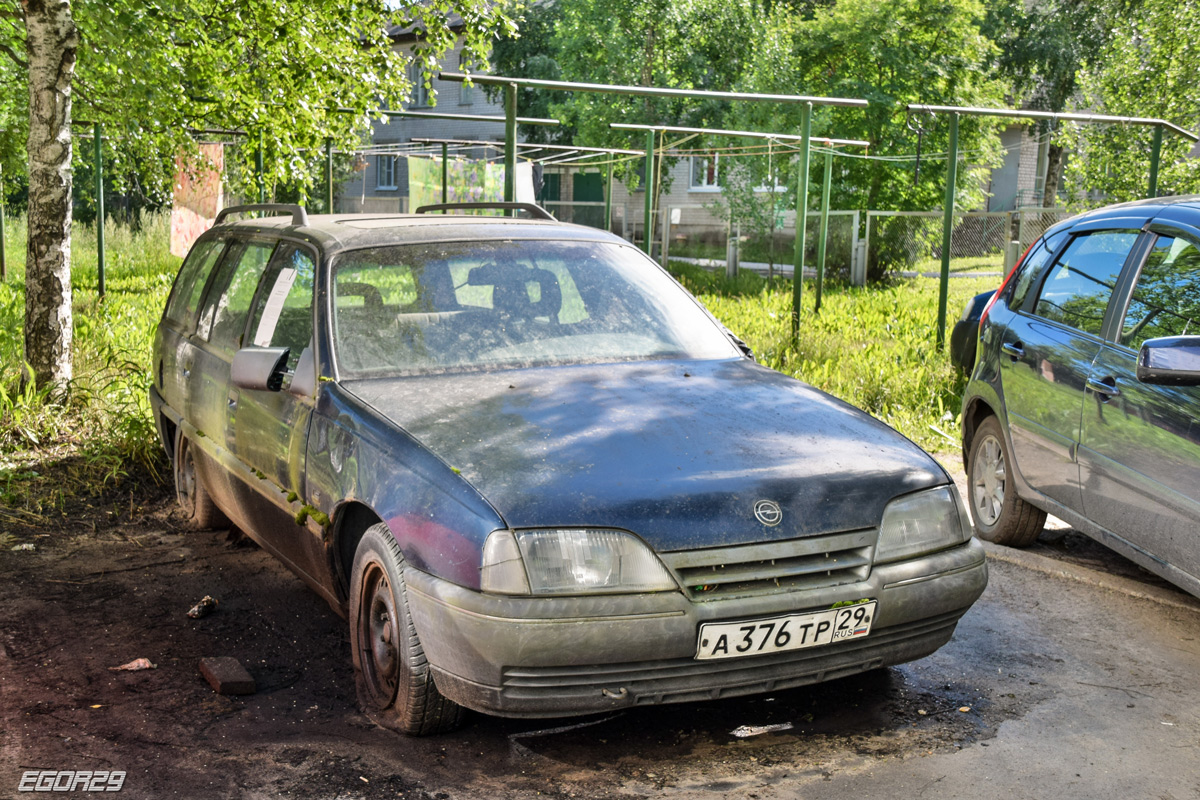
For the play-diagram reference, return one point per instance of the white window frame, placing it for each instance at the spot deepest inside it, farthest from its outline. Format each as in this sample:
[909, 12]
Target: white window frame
[710, 178]
[385, 172]
[420, 95]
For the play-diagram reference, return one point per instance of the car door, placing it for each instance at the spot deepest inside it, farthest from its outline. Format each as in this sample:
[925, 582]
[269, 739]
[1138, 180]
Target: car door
[1046, 356]
[219, 330]
[174, 346]
[270, 429]
[1140, 444]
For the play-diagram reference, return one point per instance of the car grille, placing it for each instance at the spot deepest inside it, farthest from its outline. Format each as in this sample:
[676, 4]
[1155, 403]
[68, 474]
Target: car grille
[795, 564]
[688, 680]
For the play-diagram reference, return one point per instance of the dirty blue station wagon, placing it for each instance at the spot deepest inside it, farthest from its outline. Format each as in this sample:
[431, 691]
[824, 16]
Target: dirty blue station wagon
[536, 476]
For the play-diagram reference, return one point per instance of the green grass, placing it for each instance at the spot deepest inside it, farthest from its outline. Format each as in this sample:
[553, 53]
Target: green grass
[873, 347]
[97, 431]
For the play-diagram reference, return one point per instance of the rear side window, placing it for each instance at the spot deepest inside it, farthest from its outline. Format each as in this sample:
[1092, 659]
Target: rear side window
[1166, 299]
[283, 311]
[189, 285]
[228, 302]
[1031, 269]
[1080, 283]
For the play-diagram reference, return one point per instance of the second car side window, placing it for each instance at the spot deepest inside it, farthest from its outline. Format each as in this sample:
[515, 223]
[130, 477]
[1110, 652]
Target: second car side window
[228, 303]
[1078, 287]
[1166, 299]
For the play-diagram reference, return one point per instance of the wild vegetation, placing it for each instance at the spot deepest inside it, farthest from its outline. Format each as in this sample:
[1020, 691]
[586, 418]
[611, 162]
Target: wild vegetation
[96, 431]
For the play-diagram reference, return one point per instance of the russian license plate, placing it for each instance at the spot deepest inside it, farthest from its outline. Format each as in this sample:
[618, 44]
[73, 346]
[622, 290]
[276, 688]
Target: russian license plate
[780, 634]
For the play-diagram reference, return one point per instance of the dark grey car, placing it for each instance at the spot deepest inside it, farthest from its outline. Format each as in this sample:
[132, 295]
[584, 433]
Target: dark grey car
[536, 475]
[1085, 400]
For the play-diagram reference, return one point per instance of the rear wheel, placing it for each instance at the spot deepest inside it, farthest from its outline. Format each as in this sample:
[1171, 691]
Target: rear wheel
[1000, 516]
[194, 500]
[391, 675]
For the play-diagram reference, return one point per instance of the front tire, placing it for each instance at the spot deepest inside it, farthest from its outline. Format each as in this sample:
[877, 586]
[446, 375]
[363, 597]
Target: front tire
[391, 676]
[999, 515]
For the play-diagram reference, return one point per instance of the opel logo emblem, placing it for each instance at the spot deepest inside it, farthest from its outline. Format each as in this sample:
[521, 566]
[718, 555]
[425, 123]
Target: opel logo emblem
[768, 512]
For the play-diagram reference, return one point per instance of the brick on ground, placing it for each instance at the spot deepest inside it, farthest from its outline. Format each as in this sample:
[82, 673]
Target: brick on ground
[226, 675]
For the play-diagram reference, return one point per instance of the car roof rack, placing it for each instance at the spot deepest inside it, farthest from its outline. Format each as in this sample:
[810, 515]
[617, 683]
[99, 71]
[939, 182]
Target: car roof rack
[535, 211]
[299, 215]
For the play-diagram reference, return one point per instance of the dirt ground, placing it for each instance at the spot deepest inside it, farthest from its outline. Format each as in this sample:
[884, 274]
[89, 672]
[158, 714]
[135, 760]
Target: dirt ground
[112, 580]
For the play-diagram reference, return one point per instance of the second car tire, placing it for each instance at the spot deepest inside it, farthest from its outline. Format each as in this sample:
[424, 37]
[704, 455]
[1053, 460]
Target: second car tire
[999, 515]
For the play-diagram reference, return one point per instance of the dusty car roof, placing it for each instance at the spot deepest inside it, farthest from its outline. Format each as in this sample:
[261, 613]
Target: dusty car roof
[335, 232]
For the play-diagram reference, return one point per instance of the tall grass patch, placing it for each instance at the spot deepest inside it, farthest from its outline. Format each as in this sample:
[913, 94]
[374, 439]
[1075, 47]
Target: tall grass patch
[98, 429]
[874, 347]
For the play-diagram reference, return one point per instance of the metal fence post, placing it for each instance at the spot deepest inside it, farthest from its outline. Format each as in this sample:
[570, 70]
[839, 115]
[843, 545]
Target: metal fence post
[648, 221]
[947, 231]
[823, 233]
[99, 211]
[608, 195]
[1155, 154]
[258, 170]
[329, 176]
[445, 174]
[3, 255]
[666, 235]
[510, 144]
[801, 215]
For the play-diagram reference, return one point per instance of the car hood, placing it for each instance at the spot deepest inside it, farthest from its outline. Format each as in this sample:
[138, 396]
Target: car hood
[677, 452]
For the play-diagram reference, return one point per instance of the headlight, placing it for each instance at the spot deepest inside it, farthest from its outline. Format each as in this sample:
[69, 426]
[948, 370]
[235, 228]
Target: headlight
[921, 523]
[571, 561]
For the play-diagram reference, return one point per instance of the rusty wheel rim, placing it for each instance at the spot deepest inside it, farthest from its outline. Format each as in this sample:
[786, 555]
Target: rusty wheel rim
[379, 637]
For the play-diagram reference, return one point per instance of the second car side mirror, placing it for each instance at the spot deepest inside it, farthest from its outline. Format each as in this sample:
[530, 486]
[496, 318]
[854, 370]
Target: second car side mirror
[1170, 361]
[259, 368]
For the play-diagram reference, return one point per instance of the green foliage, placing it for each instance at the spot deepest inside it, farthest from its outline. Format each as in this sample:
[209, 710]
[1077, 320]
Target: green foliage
[872, 347]
[683, 44]
[1147, 69]
[100, 420]
[531, 52]
[289, 74]
[891, 53]
[759, 213]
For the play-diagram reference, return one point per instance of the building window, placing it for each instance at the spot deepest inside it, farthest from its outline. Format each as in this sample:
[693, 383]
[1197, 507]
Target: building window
[466, 94]
[420, 93]
[704, 173]
[385, 172]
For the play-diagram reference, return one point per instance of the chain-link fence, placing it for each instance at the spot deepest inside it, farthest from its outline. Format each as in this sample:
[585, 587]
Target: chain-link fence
[980, 240]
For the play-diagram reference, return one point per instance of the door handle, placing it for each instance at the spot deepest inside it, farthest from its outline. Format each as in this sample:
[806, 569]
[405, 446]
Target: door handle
[1013, 349]
[232, 401]
[1106, 387]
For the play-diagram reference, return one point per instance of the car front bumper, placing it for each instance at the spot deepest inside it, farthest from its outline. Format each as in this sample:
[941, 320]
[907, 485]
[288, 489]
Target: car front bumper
[545, 657]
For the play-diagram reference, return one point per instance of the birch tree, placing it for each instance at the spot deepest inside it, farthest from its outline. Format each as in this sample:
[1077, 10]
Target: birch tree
[288, 74]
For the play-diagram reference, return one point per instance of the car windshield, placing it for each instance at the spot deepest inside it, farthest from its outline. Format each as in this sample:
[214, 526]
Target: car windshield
[416, 309]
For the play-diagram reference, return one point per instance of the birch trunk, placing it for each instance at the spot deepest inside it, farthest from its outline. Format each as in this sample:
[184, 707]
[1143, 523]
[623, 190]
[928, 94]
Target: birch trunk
[50, 44]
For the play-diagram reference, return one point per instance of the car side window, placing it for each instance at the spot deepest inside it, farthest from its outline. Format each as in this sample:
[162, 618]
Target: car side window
[1031, 269]
[228, 302]
[1080, 283]
[189, 285]
[1166, 298]
[283, 311]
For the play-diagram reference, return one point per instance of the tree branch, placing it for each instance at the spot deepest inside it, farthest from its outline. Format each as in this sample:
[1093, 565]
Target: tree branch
[13, 56]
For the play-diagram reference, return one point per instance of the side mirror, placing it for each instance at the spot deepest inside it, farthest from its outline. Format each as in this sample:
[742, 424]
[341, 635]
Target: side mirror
[1170, 361]
[259, 368]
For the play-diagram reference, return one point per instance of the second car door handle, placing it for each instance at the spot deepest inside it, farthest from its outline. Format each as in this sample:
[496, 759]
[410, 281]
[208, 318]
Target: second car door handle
[1013, 349]
[1106, 387]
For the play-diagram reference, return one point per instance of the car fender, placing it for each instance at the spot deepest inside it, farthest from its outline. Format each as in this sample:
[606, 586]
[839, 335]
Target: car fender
[438, 518]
